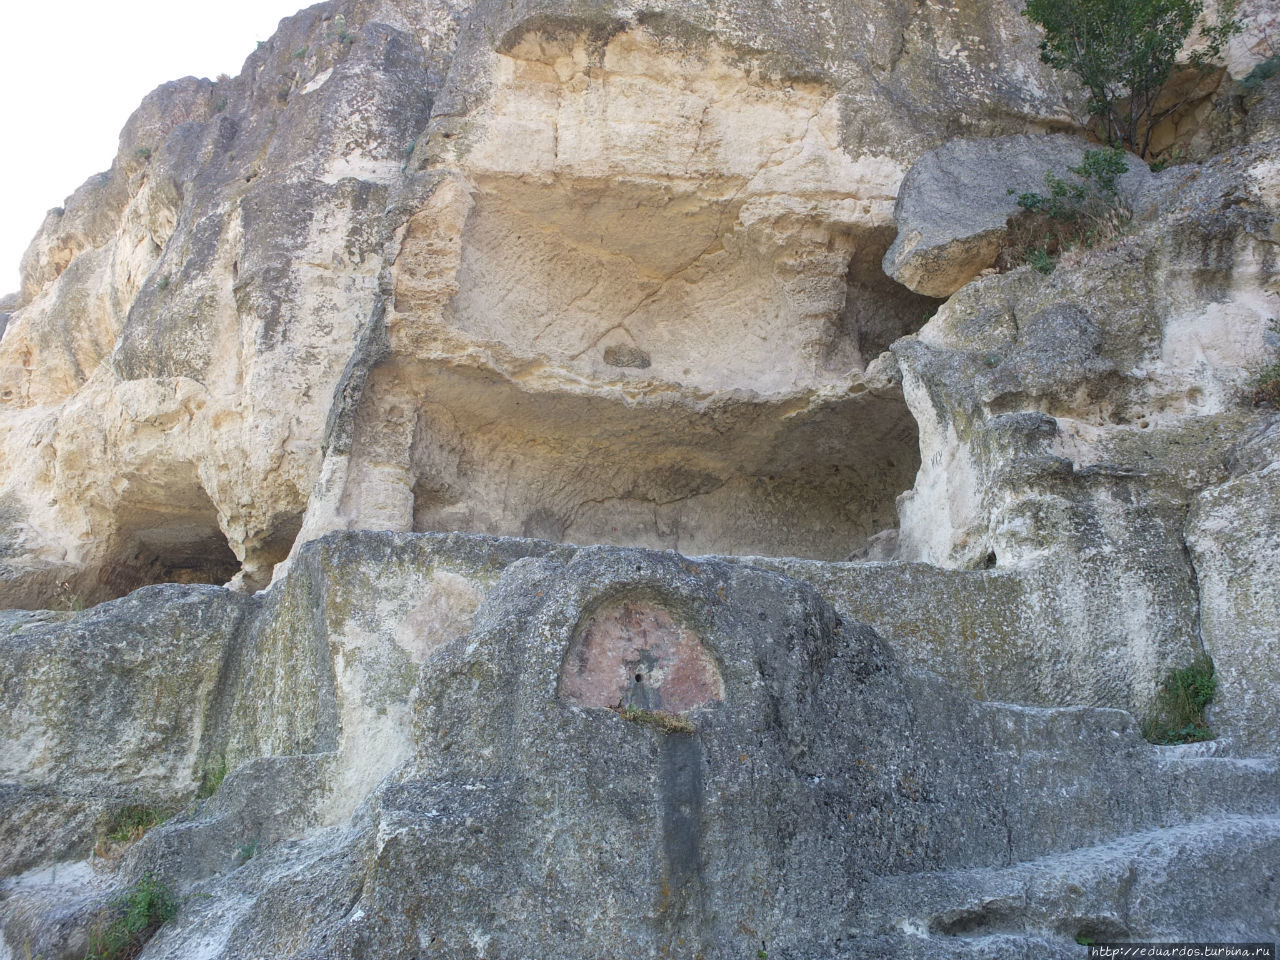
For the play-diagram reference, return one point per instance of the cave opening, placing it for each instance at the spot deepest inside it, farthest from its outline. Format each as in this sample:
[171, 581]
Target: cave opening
[750, 428]
[655, 331]
[174, 540]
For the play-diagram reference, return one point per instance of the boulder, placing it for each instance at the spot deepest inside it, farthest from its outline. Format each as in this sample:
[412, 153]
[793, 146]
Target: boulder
[955, 203]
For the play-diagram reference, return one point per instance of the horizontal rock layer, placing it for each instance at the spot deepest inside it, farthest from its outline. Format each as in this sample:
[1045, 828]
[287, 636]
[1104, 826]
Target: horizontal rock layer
[581, 273]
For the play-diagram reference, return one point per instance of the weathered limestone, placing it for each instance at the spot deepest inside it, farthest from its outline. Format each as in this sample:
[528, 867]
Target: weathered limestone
[691, 203]
[185, 318]
[1071, 426]
[410, 763]
[677, 339]
[595, 275]
[1232, 536]
[1099, 630]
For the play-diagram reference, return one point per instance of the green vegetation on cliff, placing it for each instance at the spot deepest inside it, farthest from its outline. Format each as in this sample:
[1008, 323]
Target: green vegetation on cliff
[1125, 51]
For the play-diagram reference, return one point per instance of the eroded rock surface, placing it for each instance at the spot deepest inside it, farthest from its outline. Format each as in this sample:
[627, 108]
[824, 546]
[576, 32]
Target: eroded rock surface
[1074, 424]
[433, 292]
[589, 274]
[954, 206]
[824, 801]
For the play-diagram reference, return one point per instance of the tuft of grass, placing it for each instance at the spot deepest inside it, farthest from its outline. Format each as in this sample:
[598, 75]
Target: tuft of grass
[130, 823]
[123, 928]
[1040, 261]
[68, 601]
[1265, 388]
[245, 853]
[300, 53]
[212, 778]
[143, 153]
[1084, 211]
[658, 720]
[1177, 713]
[1170, 159]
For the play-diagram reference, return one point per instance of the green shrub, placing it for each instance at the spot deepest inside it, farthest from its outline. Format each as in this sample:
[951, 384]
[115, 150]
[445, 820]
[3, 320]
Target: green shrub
[1082, 211]
[1177, 713]
[1092, 191]
[130, 920]
[1125, 51]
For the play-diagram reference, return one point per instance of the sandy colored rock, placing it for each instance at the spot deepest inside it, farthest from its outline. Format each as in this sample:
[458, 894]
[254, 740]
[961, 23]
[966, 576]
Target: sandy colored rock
[631, 260]
[446, 333]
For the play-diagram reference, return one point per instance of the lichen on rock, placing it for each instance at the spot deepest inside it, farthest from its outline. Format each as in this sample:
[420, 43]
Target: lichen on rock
[630, 551]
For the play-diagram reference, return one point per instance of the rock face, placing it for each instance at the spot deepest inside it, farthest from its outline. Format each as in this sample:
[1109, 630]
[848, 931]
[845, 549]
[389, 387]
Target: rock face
[1072, 425]
[582, 274]
[423, 759]
[455, 330]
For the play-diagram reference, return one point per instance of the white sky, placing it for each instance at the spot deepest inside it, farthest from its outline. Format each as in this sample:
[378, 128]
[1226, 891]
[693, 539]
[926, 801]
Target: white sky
[72, 72]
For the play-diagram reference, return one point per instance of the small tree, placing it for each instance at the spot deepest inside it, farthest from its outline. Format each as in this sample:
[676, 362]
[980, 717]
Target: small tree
[1124, 52]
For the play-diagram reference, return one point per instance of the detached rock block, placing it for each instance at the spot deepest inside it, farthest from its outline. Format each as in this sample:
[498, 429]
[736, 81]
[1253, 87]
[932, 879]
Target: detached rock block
[954, 206]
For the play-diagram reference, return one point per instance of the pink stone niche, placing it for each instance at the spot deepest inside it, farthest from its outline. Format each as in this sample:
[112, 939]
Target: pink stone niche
[633, 654]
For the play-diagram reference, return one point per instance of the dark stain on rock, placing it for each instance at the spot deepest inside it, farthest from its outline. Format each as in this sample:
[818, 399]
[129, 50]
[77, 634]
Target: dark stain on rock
[682, 905]
[634, 653]
[626, 355]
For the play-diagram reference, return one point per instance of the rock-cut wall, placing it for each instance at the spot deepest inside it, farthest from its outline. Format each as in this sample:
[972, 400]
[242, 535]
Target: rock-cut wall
[599, 276]
[660, 514]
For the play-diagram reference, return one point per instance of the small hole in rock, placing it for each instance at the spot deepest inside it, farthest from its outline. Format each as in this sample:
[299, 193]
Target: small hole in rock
[639, 679]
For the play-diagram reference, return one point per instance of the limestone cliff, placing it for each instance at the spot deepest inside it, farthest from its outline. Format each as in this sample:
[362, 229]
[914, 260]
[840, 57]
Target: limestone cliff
[447, 332]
